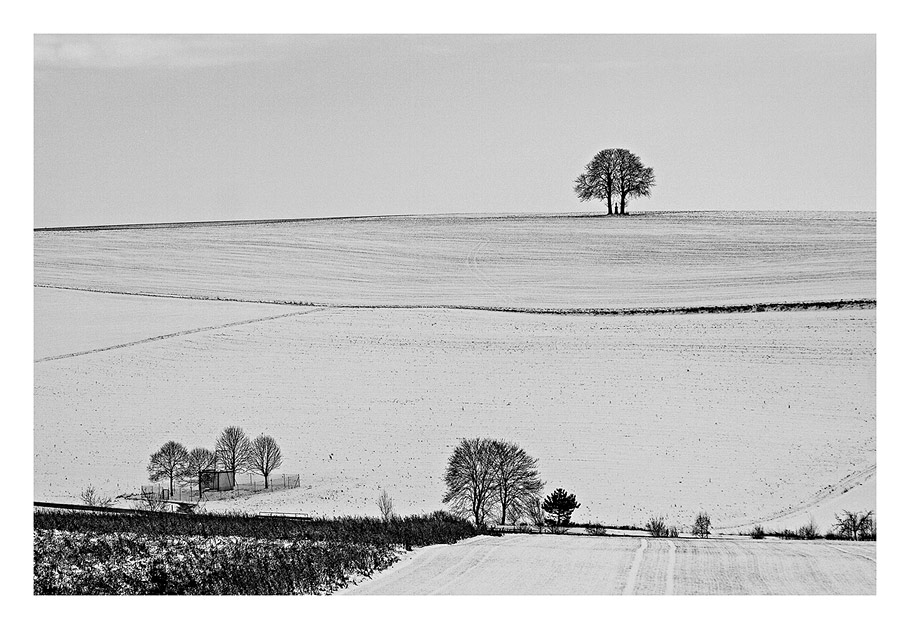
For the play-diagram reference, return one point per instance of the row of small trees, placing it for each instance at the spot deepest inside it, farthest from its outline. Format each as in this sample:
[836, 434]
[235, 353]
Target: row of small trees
[852, 525]
[234, 452]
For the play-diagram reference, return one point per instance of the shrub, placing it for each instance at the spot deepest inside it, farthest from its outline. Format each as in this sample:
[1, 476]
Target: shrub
[808, 531]
[757, 532]
[657, 527]
[702, 526]
[672, 532]
[92, 498]
[595, 529]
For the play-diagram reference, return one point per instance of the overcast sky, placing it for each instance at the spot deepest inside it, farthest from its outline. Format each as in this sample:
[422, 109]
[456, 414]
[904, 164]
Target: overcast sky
[174, 128]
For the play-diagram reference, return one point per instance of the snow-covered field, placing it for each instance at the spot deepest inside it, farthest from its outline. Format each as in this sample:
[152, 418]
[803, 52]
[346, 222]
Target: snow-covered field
[75, 322]
[744, 415]
[752, 416]
[548, 564]
[647, 260]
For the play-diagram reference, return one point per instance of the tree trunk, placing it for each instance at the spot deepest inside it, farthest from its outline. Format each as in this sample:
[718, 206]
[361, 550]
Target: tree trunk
[609, 203]
[266, 477]
[622, 204]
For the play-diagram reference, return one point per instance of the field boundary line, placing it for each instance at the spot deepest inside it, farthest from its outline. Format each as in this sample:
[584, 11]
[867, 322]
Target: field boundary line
[798, 306]
[636, 566]
[671, 567]
[163, 337]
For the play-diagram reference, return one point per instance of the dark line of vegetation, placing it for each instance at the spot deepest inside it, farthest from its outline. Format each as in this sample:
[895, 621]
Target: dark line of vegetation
[77, 552]
[857, 526]
[440, 527]
[837, 304]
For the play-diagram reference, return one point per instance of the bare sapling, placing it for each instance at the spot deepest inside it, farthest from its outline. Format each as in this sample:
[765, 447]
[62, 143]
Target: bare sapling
[386, 508]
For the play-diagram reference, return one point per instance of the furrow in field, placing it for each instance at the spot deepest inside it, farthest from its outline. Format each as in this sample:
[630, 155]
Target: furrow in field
[172, 335]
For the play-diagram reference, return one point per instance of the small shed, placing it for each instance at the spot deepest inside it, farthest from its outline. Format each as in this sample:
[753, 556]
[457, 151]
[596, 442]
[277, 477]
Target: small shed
[216, 480]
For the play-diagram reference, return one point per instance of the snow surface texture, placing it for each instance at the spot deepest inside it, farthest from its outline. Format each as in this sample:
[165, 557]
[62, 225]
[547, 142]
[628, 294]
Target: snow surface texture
[546, 564]
[648, 260]
[755, 417]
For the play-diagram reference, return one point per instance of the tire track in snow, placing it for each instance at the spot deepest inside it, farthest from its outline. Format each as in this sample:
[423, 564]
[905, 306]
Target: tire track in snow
[171, 335]
[636, 565]
[471, 562]
[671, 566]
[852, 554]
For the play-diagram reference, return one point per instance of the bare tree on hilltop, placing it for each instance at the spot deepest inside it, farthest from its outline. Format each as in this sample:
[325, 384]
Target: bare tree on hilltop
[233, 449]
[265, 456]
[168, 462]
[614, 174]
[517, 481]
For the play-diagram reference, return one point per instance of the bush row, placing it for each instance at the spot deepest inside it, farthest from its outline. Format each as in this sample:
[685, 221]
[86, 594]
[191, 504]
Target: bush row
[167, 553]
[420, 530]
[132, 563]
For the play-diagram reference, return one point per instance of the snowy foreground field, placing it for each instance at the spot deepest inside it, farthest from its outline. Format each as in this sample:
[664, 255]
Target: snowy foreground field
[546, 564]
[756, 417]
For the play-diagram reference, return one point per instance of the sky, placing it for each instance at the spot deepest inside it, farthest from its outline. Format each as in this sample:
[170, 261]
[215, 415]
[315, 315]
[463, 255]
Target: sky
[160, 128]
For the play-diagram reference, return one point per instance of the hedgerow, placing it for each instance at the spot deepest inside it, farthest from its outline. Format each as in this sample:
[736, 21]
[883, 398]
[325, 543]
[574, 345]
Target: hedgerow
[161, 553]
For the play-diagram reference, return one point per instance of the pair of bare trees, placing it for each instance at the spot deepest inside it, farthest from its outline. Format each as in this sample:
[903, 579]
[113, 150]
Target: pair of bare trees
[233, 451]
[614, 174]
[487, 476]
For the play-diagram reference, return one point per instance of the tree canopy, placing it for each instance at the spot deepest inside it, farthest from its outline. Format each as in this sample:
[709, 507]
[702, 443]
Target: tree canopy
[264, 456]
[233, 449]
[484, 476]
[614, 174]
[170, 462]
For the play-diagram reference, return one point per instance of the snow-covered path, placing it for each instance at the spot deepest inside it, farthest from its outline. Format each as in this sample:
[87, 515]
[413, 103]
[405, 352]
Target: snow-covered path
[570, 564]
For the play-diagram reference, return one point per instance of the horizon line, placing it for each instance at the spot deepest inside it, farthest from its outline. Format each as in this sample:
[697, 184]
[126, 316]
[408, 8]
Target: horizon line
[266, 221]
